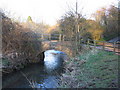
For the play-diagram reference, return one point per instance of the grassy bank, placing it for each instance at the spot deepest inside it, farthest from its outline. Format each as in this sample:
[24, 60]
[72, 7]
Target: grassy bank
[91, 69]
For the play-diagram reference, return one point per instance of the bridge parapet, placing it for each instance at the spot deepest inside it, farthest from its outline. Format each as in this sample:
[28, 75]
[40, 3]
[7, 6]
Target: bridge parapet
[58, 37]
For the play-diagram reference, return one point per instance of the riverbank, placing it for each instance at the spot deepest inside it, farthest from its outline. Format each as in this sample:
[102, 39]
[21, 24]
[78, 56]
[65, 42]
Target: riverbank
[24, 77]
[91, 69]
[9, 65]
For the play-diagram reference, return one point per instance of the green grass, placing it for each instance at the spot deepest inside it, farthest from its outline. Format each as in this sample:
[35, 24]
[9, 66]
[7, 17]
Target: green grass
[5, 61]
[99, 71]
[102, 68]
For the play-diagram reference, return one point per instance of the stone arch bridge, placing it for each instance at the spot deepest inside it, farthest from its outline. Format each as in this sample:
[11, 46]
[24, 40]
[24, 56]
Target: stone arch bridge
[57, 42]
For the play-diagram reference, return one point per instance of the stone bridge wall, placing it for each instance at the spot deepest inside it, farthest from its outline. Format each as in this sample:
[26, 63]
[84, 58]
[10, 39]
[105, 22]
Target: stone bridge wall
[64, 46]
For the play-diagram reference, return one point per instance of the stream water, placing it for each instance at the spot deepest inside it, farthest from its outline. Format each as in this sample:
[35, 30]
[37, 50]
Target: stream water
[32, 73]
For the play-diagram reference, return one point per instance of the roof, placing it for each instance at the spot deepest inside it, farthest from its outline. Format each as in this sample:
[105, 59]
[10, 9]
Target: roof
[117, 39]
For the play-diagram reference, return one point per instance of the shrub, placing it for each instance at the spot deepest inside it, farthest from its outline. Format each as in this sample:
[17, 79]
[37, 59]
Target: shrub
[20, 44]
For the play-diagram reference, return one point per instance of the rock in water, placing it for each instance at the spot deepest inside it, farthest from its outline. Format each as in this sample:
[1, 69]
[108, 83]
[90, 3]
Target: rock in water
[53, 59]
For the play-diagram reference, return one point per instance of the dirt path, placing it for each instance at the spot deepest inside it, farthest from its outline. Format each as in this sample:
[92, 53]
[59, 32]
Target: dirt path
[108, 48]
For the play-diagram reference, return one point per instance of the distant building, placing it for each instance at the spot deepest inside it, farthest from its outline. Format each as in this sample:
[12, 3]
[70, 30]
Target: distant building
[117, 39]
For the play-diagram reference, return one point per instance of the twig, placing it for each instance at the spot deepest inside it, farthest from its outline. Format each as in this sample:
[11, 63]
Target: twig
[31, 84]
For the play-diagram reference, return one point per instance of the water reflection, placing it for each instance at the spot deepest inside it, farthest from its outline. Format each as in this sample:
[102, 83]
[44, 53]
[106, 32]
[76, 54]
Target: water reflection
[35, 74]
[53, 59]
[48, 82]
[38, 75]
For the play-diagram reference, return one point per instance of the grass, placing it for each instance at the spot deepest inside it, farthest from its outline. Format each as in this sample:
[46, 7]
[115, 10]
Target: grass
[32, 83]
[92, 69]
[5, 61]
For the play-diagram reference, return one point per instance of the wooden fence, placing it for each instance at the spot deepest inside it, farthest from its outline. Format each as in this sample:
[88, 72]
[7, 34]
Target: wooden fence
[58, 37]
[109, 46]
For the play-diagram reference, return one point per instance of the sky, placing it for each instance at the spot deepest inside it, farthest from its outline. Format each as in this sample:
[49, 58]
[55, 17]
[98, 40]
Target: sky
[49, 11]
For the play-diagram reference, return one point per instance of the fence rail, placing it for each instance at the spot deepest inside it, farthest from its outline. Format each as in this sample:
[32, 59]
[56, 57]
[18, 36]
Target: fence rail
[109, 46]
[103, 45]
[58, 37]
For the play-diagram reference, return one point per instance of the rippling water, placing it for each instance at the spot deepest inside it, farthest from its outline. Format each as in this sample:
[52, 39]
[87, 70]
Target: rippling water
[35, 73]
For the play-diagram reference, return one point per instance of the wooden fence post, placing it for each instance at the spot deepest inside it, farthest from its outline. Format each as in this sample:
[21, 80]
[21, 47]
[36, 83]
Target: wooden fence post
[50, 37]
[103, 45]
[94, 44]
[42, 37]
[88, 42]
[59, 37]
[114, 46]
[63, 37]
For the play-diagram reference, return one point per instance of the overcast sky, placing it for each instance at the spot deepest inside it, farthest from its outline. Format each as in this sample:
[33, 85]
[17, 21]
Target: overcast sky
[49, 11]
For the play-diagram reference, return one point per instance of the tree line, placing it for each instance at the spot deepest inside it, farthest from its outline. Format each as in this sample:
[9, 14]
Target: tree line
[103, 27]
